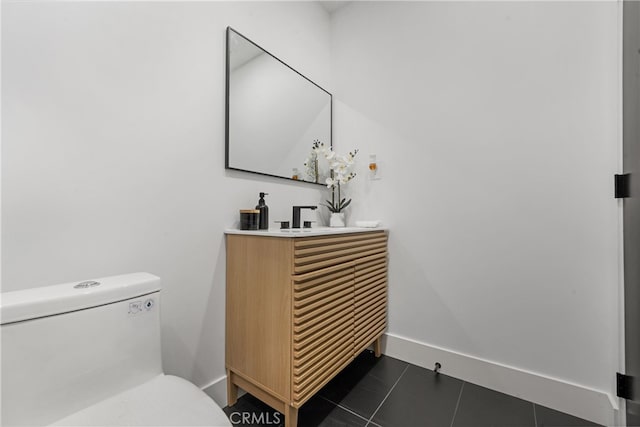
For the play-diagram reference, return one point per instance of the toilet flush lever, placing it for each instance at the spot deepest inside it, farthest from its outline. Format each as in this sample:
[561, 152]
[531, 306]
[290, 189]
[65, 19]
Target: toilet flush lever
[87, 284]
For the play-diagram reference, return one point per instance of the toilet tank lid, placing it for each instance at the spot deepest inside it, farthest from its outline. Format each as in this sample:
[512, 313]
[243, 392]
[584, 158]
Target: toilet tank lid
[45, 301]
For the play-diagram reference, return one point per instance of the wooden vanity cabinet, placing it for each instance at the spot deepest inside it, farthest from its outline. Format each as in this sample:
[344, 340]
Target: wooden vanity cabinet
[298, 310]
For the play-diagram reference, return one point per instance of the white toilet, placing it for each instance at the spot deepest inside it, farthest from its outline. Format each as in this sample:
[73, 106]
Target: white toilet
[88, 354]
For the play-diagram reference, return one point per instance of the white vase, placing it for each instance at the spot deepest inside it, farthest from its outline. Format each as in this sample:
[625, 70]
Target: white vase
[337, 219]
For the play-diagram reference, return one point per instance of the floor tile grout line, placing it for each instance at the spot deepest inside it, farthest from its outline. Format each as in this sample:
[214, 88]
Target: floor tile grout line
[455, 411]
[392, 387]
[535, 417]
[345, 408]
[329, 400]
[351, 412]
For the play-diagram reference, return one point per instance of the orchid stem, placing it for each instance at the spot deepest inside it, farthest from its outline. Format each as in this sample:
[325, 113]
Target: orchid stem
[333, 193]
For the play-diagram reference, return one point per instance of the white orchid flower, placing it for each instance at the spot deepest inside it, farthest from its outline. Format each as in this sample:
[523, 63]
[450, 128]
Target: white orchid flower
[339, 167]
[331, 183]
[329, 154]
[348, 160]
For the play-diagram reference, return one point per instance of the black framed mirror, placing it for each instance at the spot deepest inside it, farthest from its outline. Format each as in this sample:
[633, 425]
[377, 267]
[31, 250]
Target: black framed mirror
[273, 115]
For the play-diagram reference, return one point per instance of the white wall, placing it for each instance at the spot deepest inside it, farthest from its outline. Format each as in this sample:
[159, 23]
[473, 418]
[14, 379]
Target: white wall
[495, 125]
[113, 150]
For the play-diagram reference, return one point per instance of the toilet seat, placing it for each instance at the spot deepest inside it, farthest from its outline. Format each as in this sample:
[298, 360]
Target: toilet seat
[166, 400]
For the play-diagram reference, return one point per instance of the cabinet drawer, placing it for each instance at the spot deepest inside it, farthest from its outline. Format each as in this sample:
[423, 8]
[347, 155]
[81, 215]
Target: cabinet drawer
[323, 334]
[314, 253]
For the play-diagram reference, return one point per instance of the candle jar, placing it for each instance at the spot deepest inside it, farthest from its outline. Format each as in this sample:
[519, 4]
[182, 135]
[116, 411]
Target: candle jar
[249, 219]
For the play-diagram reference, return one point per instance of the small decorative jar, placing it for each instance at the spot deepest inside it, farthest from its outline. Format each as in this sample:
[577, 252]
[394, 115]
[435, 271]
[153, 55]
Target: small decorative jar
[249, 219]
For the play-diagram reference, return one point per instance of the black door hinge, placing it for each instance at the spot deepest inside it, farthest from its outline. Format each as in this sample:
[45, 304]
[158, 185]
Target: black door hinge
[621, 188]
[624, 386]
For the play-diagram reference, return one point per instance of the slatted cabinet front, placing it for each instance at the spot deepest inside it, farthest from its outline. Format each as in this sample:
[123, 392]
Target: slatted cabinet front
[332, 273]
[323, 327]
[314, 253]
[370, 300]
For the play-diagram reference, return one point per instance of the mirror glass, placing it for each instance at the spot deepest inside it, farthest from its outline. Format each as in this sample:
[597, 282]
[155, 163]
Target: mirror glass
[274, 115]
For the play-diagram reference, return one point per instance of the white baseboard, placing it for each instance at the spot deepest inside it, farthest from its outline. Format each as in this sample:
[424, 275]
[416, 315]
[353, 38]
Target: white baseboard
[217, 390]
[584, 402]
[574, 399]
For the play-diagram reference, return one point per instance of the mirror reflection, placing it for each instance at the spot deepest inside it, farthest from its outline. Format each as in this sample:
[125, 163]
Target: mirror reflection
[274, 115]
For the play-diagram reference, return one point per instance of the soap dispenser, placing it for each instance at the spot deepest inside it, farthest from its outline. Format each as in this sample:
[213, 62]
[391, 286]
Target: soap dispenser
[264, 212]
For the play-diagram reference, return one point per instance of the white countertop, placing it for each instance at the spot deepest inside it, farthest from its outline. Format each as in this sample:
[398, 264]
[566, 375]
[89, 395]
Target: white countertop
[303, 232]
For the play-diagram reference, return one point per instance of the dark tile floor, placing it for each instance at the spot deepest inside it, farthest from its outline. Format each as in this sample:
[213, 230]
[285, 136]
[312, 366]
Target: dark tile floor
[388, 392]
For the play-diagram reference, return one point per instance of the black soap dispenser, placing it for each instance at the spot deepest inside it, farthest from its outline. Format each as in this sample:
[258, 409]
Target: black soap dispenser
[264, 212]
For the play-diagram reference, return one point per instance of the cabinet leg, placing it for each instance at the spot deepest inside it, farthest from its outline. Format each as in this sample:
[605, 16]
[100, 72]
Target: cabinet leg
[377, 346]
[232, 390]
[291, 416]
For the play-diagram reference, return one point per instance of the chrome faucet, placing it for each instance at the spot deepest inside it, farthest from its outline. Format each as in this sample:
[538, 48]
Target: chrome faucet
[296, 214]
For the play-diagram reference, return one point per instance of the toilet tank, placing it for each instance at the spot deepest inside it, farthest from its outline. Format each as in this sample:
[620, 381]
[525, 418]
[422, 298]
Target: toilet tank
[68, 346]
